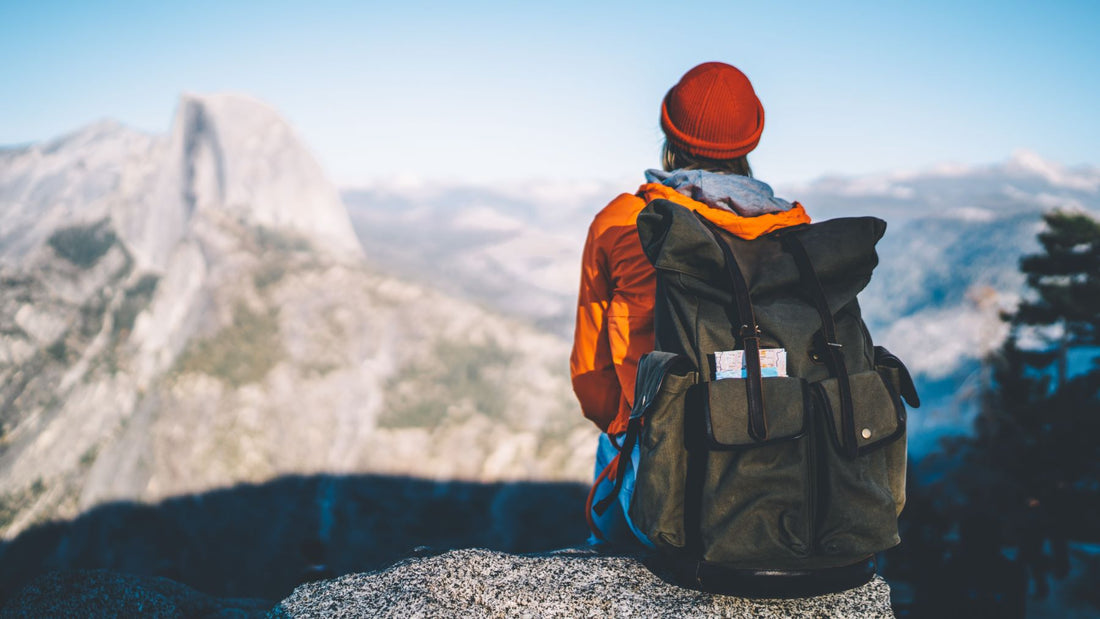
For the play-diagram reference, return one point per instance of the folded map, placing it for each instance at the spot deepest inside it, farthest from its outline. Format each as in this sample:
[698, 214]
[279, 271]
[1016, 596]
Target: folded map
[731, 363]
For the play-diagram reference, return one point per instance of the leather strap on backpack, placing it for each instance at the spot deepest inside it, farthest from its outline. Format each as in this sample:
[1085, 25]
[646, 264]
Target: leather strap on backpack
[829, 344]
[749, 334]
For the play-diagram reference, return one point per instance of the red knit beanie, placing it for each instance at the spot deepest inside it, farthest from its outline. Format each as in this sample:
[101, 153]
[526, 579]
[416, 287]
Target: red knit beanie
[713, 112]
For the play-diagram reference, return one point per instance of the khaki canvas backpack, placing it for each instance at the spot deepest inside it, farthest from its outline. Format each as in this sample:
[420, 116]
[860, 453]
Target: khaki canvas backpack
[770, 474]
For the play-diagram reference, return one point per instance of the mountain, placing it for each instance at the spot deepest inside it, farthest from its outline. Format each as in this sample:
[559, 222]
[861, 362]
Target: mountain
[192, 311]
[948, 262]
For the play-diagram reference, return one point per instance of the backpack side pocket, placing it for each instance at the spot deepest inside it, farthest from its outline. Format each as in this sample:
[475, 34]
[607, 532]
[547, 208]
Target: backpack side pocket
[897, 378]
[657, 505]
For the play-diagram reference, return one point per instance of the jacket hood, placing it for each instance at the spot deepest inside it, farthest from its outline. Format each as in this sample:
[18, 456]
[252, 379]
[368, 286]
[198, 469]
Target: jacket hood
[742, 206]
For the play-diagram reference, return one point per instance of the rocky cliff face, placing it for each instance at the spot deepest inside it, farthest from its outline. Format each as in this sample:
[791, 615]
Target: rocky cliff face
[187, 312]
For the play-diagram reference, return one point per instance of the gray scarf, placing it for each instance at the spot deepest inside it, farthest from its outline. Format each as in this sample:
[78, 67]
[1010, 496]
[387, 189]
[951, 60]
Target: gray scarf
[745, 196]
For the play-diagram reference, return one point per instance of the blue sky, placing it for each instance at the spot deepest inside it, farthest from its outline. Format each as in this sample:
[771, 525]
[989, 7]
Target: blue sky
[502, 91]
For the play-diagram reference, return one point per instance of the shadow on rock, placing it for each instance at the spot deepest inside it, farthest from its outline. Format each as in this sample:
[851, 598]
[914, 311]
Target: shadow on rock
[102, 593]
[260, 541]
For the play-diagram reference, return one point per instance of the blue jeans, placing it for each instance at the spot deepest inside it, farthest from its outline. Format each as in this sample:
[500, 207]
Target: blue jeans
[615, 523]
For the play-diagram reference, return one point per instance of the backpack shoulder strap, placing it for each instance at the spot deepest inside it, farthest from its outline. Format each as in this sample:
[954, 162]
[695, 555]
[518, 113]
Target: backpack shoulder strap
[829, 343]
[748, 334]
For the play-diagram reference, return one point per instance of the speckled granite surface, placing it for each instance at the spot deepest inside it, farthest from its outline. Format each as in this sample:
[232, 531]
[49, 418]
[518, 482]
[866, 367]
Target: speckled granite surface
[569, 583]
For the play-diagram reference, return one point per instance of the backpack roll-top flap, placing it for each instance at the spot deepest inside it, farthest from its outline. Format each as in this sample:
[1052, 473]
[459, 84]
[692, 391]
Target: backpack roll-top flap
[673, 239]
[843, 254]
[728, 421]
[878, 414]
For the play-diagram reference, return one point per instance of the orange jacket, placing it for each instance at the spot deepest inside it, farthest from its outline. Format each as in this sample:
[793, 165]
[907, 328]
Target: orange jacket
[615, 304]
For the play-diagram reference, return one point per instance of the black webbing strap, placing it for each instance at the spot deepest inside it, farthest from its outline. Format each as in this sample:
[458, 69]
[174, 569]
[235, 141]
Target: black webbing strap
[653, 367]
[626, 451]
[749, 334]
[834, 358]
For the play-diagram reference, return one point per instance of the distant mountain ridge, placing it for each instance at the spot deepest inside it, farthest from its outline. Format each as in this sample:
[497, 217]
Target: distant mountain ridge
[226, 153]
[1023, 182]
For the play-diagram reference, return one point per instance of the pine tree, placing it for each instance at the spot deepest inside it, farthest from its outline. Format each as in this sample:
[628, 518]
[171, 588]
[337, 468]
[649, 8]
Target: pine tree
[1029, 478]
[1066, 277]
[1041, 431]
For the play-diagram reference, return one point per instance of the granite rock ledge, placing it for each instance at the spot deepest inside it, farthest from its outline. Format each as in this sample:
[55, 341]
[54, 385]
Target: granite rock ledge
[565, 583]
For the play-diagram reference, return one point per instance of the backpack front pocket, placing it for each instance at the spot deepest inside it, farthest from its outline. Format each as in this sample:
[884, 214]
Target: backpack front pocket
[757, 499]
[863, 495]
[727, 412]
[878, 417]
